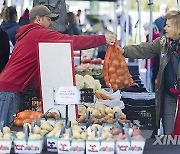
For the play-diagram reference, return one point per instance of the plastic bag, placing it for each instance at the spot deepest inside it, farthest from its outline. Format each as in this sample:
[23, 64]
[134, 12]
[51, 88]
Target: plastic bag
[115, 70]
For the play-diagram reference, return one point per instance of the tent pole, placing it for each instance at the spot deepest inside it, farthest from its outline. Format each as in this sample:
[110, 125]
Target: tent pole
[127, 21]
[139, 17]
[149, 73]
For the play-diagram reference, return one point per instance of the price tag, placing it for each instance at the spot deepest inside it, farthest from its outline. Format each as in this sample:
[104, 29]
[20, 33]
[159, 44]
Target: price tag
[67, 95]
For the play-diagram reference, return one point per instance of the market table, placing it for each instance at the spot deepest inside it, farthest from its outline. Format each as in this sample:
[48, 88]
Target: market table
[149, 148]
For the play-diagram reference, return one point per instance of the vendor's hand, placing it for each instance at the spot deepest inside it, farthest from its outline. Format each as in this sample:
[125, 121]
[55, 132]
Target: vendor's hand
[110, 38]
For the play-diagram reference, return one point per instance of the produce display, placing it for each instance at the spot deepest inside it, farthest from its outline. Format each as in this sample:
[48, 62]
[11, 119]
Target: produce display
[87, 81]
[101, 94]
[91, 69]
[6, 133]
[95, 134]
[115, 70]
[100, 110]
[86, 59]
[98, 125]
[101, 114]
[56, 130]
[53, 115]
[26, 116]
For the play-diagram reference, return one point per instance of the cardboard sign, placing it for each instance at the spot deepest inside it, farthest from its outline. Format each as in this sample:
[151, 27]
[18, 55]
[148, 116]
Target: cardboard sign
[56, 70]
[67, 95]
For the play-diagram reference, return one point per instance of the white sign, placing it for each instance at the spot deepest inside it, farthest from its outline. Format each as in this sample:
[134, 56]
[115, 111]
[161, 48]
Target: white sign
[67, 95]
[56, 62]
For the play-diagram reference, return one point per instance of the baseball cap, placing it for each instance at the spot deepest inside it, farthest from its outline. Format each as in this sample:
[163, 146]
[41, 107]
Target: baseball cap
[41, 10]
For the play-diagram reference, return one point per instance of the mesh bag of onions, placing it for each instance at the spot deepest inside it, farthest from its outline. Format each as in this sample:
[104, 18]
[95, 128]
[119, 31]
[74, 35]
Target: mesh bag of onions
[115, 70]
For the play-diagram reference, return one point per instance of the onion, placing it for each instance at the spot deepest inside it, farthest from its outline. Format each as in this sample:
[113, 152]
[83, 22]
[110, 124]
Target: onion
[115, 63]
[121, 78]
[113, 76]
[120, 71]
[112, 69]
[125, 82]
[123, 64]
[112, 81]
[115, 86]
[118, 81]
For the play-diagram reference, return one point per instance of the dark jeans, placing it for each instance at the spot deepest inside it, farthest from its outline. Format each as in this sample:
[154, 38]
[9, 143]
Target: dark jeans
[10, 104]
[170, 104]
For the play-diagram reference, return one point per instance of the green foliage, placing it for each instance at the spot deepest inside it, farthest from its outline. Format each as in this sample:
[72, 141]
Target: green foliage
[156, 4]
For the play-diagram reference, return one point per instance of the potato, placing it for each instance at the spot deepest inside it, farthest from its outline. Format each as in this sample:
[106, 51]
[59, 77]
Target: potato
[7, 136]
[20, 135]
[110, 121]
[102, 112]
[6, 130]
[116, 131]
[108, 110]
[35, 136]
[106, 129]
[120, 136]
[90, 109]
[76, 135]
[105, 136]
[118, 110]
[37, 129]
[43, 132]
[47, 127]
[136, 132]
[1, 134]
[58, 124]
[134, 127]
[57, 134]
[51, 134]
[49, 115]
[83, 135]
[74, 122]
[138, 137]
[96, 106]
[95, 113]
[77, 128]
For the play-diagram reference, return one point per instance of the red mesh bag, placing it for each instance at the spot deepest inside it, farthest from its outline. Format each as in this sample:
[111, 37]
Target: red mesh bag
[115, 70]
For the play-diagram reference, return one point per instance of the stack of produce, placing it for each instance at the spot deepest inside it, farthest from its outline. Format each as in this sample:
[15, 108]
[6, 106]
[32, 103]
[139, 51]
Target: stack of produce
[91, 69]
[101, 114]
[87, 81]
[26, 116]
[6, 133]
[115, 70]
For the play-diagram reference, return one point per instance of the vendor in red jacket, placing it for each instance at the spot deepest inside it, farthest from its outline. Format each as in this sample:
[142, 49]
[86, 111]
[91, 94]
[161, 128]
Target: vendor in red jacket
[22, 69]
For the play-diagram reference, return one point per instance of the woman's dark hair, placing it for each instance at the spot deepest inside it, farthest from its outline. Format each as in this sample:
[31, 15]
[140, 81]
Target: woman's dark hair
[27, 10]
[10, 13]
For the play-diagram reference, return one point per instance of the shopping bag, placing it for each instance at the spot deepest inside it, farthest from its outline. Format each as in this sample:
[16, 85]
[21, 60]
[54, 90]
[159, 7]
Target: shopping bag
[177, 115]
[115, 70]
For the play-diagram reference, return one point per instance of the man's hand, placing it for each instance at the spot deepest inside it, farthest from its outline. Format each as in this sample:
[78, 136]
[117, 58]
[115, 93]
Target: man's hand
[110, 38]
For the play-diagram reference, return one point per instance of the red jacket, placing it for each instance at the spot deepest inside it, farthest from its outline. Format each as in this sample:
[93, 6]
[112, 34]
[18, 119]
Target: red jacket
[22, 70]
